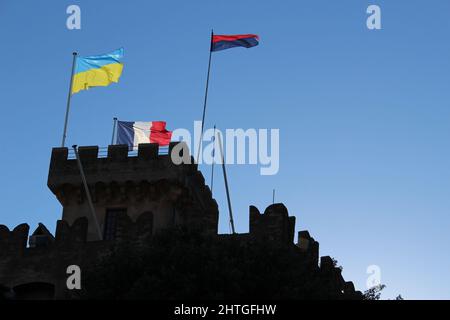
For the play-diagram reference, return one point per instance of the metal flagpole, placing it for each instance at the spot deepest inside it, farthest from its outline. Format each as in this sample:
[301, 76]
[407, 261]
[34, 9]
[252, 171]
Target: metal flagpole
[88, 193]
[213, 159]
[114, 130]
[68, 100]
[226, 183]
[206, 98]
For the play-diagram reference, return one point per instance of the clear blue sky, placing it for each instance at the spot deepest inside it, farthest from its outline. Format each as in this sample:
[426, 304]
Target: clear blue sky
[363, 115]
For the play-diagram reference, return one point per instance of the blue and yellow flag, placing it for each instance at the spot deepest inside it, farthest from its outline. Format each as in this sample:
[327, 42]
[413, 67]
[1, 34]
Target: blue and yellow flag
[97, 71]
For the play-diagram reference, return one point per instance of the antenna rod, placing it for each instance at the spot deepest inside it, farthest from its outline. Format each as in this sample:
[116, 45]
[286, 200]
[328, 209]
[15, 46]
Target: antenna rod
[88, 194]
[114, 130]
[226, 183]
[213, 159]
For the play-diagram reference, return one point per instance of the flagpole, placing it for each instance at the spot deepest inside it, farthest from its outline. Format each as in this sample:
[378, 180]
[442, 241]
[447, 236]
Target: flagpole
[68, 99]
[206, 98]
[226, 183]
[114, 130]
[213, 159]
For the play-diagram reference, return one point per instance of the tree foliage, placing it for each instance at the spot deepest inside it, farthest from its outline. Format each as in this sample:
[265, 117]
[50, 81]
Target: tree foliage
[374, 293]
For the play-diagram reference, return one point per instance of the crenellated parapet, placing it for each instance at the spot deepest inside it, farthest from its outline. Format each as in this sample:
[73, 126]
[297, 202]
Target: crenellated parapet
[47, 261]
[117, 166]
[274, 225]
[309, 247]
[331, 277]
[13, 242]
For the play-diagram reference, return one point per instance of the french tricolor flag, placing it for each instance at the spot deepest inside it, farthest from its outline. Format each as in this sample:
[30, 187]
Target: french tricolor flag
[134, 133]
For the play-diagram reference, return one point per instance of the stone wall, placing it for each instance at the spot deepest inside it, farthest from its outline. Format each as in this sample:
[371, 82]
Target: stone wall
[157, 195]
[47, 264]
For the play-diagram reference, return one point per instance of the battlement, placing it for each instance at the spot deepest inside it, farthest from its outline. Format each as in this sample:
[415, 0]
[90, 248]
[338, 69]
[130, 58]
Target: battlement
[334, 279]
[13, 241]
[309, 246]
[21, 266]
[117, 165]
[275, 224]
[46, 261]
[67, 235]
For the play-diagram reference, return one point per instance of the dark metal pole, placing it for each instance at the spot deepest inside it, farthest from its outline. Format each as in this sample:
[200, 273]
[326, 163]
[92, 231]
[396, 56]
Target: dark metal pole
[206, 98]
[68, 100]
[226, 183]
[88, 193]
[213, 159]
[114, 130]
[273, 196]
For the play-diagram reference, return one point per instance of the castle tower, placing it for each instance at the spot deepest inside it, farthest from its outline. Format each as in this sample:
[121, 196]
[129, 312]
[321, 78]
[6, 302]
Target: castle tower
[176, 195]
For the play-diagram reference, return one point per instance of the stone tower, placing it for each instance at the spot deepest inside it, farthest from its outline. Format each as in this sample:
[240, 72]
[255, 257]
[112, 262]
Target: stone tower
[145, 183]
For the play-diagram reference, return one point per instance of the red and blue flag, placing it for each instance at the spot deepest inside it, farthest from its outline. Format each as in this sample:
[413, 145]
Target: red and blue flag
[222, 42]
